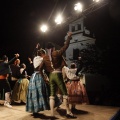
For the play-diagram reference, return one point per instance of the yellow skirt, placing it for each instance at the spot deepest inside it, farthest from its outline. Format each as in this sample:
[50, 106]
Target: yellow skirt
[19, 93]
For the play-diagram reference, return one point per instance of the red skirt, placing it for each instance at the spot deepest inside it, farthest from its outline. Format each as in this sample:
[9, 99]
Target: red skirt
[76, 92]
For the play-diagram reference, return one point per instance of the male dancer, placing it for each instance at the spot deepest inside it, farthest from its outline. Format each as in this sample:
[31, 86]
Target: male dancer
[4, 72]
[53, 63]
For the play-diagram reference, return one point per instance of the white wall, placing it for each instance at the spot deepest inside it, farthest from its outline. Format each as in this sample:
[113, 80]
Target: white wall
[78, 40]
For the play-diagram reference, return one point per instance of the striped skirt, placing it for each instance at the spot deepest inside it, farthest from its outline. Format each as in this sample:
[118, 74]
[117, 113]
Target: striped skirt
[37, 95]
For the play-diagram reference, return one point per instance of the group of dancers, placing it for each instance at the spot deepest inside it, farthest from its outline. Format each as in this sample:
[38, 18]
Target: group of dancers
[47, 84]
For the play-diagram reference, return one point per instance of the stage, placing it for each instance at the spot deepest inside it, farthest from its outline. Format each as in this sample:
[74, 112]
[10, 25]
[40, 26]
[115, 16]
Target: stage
[84, 112]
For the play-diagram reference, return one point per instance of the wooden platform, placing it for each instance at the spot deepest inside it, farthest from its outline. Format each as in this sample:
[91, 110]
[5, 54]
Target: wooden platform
[85, 112]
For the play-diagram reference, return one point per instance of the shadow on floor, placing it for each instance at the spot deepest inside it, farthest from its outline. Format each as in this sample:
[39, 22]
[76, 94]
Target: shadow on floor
[19, 104]
[62, 112]
[42, 116]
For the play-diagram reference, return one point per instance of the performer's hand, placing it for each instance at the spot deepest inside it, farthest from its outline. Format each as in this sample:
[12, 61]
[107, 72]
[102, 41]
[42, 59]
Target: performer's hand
[69, 34]
[17, 55]
[29, 59]
[38, 45]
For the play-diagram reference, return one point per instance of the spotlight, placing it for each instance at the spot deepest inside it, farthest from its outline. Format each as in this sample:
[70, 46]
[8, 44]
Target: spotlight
[44, 28]
[78, 7]
[58, 19]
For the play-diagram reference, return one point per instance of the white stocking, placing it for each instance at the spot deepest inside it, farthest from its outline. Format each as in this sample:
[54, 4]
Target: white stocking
[52, 104]
[65, 101]
[7, 97]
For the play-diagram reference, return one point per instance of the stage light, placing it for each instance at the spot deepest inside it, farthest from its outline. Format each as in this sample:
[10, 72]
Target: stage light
[44, 28]
[59, 19]
[78, 7]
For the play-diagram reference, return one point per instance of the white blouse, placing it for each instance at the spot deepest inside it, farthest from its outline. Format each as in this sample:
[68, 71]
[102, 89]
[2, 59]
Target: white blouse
[37, 61]
[70, 73]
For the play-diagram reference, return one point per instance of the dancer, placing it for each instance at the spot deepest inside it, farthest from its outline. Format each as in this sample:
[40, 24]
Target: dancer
[76, 90]
[20, 89]
[15, 75]
[4, 72]
[38, 95]
[53, 63]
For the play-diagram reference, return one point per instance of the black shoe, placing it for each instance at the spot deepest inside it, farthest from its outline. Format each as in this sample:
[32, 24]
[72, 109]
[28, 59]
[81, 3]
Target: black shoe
[70, 116]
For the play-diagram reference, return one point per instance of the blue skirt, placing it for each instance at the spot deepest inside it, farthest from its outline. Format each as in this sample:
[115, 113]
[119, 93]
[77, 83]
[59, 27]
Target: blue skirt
[37, 95]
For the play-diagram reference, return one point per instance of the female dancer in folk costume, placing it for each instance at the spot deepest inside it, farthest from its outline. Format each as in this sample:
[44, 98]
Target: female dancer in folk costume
[20, 89]
[76, 90]
[38, 95]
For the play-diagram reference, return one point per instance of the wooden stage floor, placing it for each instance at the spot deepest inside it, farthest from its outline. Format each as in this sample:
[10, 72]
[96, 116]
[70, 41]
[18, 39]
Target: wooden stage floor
[85, 112]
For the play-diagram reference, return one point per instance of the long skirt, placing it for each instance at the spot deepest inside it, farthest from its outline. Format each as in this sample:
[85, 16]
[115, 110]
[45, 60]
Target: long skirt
[19, 93]
[38, 94]
[76, 92]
